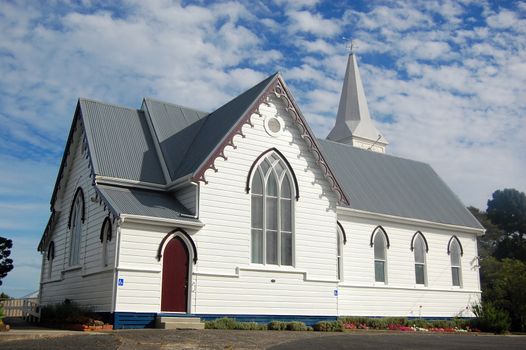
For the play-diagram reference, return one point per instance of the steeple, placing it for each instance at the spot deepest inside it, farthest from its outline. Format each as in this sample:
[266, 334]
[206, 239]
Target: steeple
[353, 122]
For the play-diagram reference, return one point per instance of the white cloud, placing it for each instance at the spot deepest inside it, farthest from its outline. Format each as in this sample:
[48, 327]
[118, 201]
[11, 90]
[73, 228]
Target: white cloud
[443, 88]
[313, 23]
[503, 19]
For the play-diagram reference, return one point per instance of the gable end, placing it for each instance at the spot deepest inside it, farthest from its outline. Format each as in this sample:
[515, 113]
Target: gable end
[277, 87]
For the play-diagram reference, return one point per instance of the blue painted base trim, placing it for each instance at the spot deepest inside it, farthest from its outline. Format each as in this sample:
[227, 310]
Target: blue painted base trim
[127, 320]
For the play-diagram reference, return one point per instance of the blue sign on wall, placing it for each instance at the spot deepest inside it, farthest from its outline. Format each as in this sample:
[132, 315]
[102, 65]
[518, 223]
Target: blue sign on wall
[336, 292]
[120, 282]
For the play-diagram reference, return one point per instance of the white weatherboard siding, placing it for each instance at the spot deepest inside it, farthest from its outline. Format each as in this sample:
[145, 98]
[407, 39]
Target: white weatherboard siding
[90, 283]
[139, 268]
[359, 294]
[224, 242]
[187, 196]
[225, 282]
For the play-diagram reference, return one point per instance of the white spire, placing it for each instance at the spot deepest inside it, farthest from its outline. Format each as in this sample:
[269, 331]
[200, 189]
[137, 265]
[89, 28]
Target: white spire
[353, 122]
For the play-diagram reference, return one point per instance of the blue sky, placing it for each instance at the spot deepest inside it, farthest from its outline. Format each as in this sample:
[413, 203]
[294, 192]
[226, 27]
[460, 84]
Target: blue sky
[445, 82]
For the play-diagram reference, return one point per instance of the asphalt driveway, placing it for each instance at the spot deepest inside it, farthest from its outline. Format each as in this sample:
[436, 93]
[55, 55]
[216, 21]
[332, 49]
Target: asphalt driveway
[153, 339]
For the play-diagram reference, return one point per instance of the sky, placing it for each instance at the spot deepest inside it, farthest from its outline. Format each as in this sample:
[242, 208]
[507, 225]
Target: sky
[445, 82]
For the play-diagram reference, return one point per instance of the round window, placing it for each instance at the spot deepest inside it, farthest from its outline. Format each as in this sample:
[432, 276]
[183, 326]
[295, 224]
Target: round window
[273, 126]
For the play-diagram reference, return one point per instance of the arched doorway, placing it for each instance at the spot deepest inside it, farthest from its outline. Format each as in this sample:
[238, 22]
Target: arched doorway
[174, 296]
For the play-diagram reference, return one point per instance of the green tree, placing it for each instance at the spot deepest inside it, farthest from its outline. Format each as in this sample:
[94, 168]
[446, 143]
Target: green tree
[504, 285]
[507, 210]
[6, 264]
[487, 243]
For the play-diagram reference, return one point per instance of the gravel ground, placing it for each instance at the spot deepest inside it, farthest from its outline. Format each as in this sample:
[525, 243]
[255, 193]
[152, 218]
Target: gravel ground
[152, 339]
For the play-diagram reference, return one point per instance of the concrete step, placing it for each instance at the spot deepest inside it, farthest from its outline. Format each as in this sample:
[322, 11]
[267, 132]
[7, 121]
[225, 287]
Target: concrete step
[179, 323]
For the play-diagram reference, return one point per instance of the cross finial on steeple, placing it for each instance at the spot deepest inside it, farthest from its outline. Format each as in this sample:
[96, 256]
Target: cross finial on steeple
[350, 45]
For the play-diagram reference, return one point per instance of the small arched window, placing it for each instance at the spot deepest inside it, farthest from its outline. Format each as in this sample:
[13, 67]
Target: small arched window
[419, 250]
[339, 252]
[50, 258]
[272, 212]
[105, 237]
[455, 253]
[76, 219]
[380, 243]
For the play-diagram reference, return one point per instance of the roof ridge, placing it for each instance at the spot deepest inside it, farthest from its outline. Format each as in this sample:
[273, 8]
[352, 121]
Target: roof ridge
[174, 104]
[108, 104]
[372, 152]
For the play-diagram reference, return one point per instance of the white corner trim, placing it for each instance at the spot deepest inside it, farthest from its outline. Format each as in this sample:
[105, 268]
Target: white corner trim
[417, 288]
[160, 221]
[399, 219]
[265, 269]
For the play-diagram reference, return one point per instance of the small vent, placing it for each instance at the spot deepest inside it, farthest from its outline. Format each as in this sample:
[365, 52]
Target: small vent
[273, 126]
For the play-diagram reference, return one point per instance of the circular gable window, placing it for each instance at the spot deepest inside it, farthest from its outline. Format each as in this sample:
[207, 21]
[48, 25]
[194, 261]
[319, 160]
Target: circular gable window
[273, 126]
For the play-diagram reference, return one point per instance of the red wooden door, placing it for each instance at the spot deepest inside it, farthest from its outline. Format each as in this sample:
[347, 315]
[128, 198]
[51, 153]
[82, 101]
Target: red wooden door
[174, 295]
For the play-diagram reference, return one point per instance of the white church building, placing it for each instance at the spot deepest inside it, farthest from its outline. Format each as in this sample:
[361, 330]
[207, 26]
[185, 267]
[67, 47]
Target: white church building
[242, 212]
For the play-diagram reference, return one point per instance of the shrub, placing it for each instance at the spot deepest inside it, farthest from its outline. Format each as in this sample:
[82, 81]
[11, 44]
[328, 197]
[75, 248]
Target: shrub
[276, 326]
[420, 323]
[296, 326]
[441, 324]
[66, 312]
[354, 320]
[250, 326]
[374, 323]
[221, 323]
[230, 323]
[377, 323]
[490, 319]
[329, 326]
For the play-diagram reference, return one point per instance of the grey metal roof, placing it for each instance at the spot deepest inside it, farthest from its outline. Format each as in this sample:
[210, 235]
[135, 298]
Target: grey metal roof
[120, 142]
[381, 183]
[143, 202]
[185, 148]
[175, 128]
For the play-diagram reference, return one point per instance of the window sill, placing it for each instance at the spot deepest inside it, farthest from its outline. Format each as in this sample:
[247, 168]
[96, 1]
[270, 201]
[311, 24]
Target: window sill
[72, 268]
[104, 269]
[271, 268]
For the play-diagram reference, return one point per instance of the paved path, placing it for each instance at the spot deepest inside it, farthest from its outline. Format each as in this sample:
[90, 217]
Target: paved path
[153, 339]
[408, 341]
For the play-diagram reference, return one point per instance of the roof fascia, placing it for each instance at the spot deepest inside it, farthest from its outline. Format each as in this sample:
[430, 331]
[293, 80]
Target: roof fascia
[310, 139]
[114, 181]
[228, 139]
[164, 222]
[65, 155]
[277, 87]
[403, 220]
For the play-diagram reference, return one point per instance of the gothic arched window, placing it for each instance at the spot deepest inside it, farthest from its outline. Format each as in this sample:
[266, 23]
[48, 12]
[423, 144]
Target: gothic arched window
[50, 258]
[272, 212]
[380, 242]
[105, 237]
[455, 253]
[339, 252]
[419, 248]
[75, 223]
